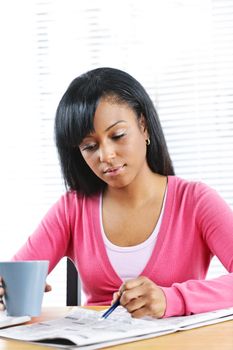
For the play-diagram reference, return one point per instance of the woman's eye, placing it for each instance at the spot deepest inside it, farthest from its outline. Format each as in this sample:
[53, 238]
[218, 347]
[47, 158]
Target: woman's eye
[118, 136]
[90, 147]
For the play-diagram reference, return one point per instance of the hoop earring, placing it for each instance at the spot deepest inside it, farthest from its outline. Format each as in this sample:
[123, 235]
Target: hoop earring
[148, 141]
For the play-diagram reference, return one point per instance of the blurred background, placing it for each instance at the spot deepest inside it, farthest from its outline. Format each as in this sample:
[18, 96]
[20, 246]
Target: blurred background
[181, 51]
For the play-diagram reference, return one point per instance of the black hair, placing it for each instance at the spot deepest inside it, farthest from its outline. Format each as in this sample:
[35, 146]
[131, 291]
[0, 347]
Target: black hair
[74, 120]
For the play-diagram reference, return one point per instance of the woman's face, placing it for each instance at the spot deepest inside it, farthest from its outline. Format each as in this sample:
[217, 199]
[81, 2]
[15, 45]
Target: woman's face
[116, 150]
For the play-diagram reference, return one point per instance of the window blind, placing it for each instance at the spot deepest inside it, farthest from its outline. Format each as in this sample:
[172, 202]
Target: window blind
[181, 51]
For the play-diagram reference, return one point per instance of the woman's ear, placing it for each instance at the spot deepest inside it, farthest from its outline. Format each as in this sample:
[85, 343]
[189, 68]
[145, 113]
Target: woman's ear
[142, 125]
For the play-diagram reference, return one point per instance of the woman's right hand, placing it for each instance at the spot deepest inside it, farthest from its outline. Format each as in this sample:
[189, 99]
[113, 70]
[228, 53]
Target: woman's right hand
[2, 305]
[48, 288]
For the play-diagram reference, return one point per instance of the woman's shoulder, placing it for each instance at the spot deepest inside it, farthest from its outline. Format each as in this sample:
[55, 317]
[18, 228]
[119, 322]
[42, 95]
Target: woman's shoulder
[71, 206]
[193, 190]
[74, 199]
[182, 184]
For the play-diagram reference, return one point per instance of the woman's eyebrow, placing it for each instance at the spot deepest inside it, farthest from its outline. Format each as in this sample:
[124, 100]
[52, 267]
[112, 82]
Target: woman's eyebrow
[111, 126]
[108, 128]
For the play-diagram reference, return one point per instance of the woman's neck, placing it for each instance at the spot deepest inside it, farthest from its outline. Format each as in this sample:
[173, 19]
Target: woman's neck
[138, 193]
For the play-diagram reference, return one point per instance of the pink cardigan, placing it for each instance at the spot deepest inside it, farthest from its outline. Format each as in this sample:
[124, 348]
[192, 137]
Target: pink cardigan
[196, 225]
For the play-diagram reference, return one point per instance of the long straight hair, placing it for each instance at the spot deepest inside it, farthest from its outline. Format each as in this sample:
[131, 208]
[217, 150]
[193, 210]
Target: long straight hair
[74, 120]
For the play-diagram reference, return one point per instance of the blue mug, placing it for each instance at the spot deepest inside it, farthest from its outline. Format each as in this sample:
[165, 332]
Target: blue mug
[24, 284]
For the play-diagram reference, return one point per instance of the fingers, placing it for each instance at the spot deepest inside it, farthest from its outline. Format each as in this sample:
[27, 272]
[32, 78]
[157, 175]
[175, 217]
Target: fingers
[116, 296]
[133, 283]
[129, 287]
[135, 304]
[1, 287]
[48, 288]
[2, 306]
[133, 289]
[142, 297]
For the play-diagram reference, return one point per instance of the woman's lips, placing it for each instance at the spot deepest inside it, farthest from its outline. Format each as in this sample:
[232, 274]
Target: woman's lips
[114, 170]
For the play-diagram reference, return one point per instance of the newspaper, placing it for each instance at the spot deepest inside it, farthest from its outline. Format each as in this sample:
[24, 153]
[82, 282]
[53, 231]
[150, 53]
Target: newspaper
[84, 328]
[6, 321]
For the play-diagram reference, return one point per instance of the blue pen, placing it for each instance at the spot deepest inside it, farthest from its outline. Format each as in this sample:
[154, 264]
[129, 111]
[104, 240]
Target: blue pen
[111, 309]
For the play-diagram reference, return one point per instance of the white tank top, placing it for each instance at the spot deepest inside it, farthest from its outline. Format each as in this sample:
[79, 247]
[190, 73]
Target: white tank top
[129, 262]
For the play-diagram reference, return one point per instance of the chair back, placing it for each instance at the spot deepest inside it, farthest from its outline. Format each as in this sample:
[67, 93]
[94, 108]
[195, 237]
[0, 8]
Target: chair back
[73, 285]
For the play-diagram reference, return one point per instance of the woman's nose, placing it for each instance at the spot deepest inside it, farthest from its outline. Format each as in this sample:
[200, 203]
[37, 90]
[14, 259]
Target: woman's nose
[106, 153]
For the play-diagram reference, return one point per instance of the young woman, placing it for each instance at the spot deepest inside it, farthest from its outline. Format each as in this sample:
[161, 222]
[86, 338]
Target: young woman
[132, 228]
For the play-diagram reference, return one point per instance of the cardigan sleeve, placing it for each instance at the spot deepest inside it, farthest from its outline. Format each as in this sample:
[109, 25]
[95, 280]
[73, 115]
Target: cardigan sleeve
[50, 241]
[214, 220]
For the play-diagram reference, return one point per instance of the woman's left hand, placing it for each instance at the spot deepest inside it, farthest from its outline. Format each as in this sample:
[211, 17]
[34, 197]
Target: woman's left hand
[142, 297]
